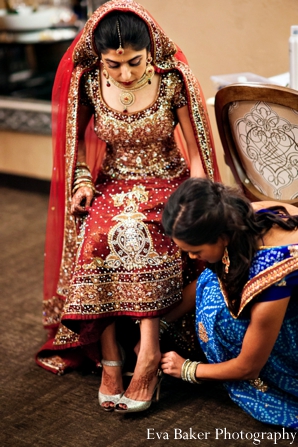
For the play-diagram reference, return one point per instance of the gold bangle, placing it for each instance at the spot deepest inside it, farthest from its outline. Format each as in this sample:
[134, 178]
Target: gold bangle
[81, 164]
[184, 369]
[80, 185]
[192, 373]
[163, 326]
[81, 180]
[79, 172]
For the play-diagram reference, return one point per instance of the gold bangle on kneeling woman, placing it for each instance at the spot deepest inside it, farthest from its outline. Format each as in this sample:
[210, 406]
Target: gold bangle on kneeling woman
[188, 371]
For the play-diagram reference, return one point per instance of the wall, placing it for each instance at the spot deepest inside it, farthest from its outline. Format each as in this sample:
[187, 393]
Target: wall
[227, 36]
[26, 155]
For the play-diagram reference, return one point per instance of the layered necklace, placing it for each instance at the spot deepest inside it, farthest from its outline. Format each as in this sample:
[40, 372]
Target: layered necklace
[127, 96]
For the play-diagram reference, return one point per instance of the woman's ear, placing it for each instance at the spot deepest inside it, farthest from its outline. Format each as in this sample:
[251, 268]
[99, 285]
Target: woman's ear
[225, 239]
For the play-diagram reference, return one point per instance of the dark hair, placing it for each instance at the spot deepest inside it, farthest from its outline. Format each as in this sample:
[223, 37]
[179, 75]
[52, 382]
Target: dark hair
[200, 211]
[133, 31]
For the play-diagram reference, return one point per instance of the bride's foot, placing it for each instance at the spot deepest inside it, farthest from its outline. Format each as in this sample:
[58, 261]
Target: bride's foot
[145, 382]
[111, 387]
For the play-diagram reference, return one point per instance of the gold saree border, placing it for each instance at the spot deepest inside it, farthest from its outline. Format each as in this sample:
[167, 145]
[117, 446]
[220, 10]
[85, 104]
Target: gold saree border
[265, 279]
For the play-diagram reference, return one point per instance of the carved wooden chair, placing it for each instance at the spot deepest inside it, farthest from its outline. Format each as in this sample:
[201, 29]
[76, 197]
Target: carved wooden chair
[258, 128]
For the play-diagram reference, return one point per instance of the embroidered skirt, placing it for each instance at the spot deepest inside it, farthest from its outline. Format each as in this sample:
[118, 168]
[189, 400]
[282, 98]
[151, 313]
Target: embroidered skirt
[125, 267]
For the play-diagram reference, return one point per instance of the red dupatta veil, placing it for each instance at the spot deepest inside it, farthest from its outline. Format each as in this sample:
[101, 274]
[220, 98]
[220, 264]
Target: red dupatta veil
[60, 247]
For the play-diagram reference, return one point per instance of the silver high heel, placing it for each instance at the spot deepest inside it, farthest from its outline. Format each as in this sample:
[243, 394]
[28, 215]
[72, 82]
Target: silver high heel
[109, 398]
[135, 406]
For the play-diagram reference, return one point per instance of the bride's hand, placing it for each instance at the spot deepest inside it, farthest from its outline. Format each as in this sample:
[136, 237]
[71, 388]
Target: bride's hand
[171, 364]
[81, 200]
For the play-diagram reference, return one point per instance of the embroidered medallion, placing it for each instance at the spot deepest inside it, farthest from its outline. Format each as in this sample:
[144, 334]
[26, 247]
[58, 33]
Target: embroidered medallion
[129, 240]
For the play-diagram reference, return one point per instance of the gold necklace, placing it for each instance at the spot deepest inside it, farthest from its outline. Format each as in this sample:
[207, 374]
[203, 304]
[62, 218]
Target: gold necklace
[127, 97]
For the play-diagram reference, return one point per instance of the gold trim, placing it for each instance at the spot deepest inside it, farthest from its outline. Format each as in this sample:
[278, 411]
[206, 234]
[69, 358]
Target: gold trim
[265, 279]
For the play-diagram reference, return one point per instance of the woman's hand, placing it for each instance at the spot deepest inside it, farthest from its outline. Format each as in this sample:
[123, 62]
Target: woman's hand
[81, 200]
[171, 364]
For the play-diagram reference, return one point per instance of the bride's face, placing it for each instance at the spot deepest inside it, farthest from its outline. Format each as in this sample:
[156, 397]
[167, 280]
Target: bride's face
[126, 68]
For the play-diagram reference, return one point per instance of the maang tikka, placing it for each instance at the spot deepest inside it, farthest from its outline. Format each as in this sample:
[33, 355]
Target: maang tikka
[120, 50]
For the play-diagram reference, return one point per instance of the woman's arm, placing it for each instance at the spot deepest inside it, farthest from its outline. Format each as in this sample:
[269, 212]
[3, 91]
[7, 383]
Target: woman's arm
[196, 166]
[187, 304]
[258, 342]
[82, 198]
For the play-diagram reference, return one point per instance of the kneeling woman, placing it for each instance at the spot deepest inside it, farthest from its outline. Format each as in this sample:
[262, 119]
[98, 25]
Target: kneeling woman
[246, 298]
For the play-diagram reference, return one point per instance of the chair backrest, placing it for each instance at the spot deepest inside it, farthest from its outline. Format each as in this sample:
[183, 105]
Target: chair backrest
[258, 128]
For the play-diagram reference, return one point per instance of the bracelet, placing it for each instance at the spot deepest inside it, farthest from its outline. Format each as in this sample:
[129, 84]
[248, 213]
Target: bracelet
[192, 373]
[82, 179]
[163, 326]
[82, 164]
[79, 174]
[188, 371]
[80, 185]
[184, 369]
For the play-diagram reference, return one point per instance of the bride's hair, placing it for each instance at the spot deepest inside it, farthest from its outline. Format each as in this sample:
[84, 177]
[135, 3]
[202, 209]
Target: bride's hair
[133, 31]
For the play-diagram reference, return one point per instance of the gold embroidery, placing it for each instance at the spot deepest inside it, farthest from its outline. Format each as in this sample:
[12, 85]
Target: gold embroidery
[293, 249]
[281, 283]
[272, 275]
[54, 362]
[105, 290]
[97, 262]
[52, 310]
[259, 384]
[266, 278]
[130, 241]
[65, 336]
[203, 333]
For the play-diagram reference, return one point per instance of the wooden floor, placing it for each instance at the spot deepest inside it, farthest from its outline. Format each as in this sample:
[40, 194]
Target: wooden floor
[40, 409]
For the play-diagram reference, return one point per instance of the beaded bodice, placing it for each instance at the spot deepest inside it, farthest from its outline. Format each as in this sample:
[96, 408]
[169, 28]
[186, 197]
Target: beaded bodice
[139, 144]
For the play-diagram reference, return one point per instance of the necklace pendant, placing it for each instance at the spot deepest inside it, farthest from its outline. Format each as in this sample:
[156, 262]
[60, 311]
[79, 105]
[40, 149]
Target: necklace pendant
[127, 98]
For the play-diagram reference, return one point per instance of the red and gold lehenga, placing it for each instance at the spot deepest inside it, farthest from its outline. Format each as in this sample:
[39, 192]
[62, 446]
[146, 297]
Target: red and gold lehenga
[116, 261]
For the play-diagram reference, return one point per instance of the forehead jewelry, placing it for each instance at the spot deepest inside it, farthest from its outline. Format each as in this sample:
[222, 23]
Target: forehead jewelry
[120, 50]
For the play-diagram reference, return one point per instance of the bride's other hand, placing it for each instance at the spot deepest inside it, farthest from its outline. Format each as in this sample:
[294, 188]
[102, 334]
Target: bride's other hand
[81, 200]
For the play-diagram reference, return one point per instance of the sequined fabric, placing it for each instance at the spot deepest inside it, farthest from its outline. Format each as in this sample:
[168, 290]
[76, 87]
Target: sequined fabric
[141, 144]
[273, 397]
[125, 265]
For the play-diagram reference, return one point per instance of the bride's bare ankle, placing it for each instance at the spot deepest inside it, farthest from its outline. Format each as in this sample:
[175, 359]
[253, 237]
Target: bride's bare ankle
[149, 359]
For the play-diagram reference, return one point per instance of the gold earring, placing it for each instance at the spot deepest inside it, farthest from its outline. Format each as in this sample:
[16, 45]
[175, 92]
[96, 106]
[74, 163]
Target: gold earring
[226, 260]
[106, 75]
[149, 69]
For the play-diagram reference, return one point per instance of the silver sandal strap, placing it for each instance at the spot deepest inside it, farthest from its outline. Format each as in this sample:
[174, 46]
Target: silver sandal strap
[111, 362]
